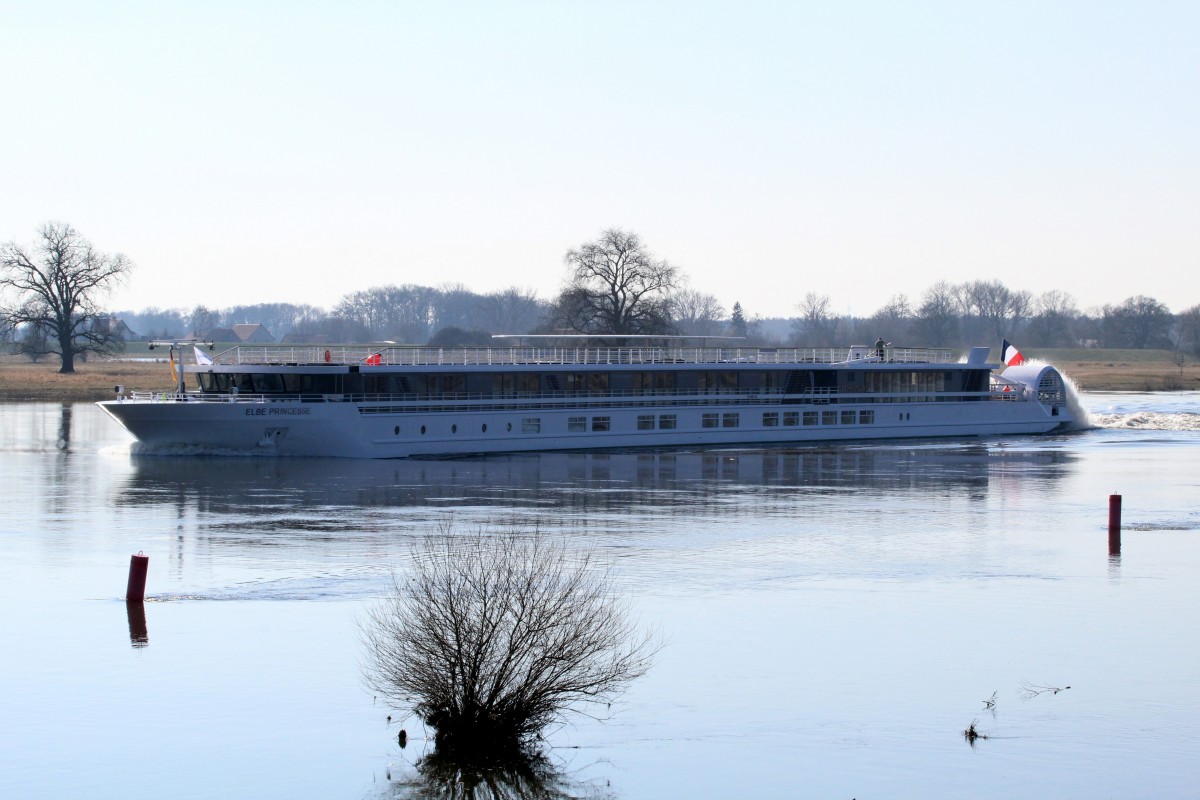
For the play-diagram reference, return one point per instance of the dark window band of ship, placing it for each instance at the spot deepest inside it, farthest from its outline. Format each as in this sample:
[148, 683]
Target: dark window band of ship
[490, 385]
[370, 404]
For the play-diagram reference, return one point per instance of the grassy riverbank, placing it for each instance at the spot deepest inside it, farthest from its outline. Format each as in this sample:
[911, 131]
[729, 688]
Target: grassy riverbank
[1092, 370]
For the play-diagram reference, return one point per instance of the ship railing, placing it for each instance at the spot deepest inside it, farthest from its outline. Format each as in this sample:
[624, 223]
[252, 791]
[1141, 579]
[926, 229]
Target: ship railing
[584, 399]
[405, 356]
[1006, 390]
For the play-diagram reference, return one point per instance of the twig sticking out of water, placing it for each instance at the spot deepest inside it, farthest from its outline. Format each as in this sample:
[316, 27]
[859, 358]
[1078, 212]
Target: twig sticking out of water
[972, 733]
[1028, 690]
[990, 703]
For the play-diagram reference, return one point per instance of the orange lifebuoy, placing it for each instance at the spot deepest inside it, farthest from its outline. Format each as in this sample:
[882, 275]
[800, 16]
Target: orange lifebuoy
[328, 356]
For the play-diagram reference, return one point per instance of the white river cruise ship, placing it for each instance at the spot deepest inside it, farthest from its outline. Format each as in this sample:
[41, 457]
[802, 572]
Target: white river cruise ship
[562, 393]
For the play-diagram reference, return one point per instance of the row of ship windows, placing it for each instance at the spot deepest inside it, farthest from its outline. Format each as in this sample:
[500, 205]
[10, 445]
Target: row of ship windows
[667, 422]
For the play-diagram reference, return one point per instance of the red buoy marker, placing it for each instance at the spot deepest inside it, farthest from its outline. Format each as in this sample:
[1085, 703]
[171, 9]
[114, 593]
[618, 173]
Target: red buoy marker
[1114, 524]
[138, 566]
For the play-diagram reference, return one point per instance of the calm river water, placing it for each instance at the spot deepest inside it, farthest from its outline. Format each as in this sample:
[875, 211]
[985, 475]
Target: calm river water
[834, 617]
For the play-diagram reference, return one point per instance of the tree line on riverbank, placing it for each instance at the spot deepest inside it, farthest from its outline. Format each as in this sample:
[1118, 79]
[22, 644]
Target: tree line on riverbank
[612, 285]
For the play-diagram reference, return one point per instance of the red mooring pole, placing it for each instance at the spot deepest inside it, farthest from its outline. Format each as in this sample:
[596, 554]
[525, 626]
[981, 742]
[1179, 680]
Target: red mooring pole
[138, 566]
[1114, 524]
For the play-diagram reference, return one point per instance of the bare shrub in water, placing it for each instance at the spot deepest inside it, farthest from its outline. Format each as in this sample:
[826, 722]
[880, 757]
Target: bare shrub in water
[492, 638]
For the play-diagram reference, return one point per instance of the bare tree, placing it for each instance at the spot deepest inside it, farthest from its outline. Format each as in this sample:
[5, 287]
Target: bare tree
[156, 323]
[1188, 330]
[814, 327]
[318, 326]
[1053, 314]
[57, 286]
[279, 318]
[204, 319]
[511, 310]
[492, 638]
[937, 321]
[362, 307]
[1139, 322]
[990, 308]
[615, 285]
[696, 313]
[404, 313]
[33, 344]
[894, 321]
[454, 306]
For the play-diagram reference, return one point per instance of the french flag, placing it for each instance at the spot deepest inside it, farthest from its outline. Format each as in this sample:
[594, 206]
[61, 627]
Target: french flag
[1010, 355]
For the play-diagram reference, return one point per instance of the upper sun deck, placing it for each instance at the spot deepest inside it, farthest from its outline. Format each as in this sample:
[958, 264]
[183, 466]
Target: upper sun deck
[516, 356]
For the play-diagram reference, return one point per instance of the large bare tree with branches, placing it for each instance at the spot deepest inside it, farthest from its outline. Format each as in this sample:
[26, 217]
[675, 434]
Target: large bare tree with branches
[54, 288]
[493, 637]
[615, 285]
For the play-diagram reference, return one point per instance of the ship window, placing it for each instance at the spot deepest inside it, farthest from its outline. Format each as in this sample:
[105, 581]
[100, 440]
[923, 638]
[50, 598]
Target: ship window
[654, 381]
[243, 382]
[770, 419]
[454, 429]
[452, 384]
[268, 382]
[718, 381]
[866, 417]
[527, 382]
[848, 417]
[791, 418]
[214, 383]
[396, 430]
[729, 420]
[709, 420]
[645, 422]
[829, 418]
[309, 384]
[810, 418]
[531, 425]
[586, 381]
[503, 383]
[576, 424]
[666, 422]
[484, 428]
[601, 423]
[422, 430]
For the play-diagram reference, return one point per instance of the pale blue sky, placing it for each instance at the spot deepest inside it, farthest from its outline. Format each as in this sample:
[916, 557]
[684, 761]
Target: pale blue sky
[295, 151]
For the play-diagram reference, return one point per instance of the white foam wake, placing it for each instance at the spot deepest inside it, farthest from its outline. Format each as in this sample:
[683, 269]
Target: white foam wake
[172, 449]
[1147, 421]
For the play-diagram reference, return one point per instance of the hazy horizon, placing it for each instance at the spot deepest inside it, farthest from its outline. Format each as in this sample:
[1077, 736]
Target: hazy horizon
[268, 152]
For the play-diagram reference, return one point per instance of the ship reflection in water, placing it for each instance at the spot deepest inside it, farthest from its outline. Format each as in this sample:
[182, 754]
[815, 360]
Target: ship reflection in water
[322, 528]
[582, 482]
